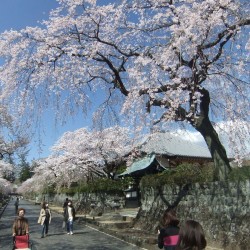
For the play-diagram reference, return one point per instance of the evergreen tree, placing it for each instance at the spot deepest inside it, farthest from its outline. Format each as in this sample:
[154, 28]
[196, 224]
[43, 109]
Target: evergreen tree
[25, 172]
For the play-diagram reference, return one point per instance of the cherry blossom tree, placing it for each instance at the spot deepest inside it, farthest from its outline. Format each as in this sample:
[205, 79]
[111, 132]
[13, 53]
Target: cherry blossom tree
[5, 186]
[10, 146]
[10, 143]
[12, 137]
[156, 60]
[82, 155]
[35, 184]
[5, 168]
[98, 149]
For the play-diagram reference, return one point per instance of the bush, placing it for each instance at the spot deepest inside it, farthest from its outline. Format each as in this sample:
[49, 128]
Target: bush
[188, 173]
[182, 174]
[100, 185]
[240, 174]
[49, 189]
[69, 191]
[107, 185]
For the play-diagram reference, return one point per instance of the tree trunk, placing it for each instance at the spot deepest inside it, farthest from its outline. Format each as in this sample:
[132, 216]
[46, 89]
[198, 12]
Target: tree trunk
[217, 150]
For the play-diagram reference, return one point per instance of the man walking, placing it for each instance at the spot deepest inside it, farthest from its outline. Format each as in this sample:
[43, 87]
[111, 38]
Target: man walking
[16, 204]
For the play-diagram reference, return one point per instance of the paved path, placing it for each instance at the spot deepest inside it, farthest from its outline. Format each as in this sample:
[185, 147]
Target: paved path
[84, 238]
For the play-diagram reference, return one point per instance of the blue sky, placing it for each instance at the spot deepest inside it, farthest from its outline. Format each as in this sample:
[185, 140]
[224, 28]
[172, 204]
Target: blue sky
[17, 14]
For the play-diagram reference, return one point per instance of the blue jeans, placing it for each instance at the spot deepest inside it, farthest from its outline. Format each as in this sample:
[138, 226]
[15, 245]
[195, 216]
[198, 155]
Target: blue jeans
[69, 226]
[45, 227]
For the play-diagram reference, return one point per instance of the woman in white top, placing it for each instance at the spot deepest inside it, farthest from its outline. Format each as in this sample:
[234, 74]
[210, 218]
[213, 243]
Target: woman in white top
[44, 219]
[69, 216]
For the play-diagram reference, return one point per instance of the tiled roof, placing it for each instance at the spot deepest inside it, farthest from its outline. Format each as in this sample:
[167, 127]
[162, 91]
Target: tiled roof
[165, 144]
[172, 145]
[139, 164]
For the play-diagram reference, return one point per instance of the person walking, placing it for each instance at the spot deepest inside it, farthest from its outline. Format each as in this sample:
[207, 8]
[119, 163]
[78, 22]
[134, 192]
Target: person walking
[16, 205]
[44, 219]
[191, 236]
[20, 225]
[168, 236]
[69, 216]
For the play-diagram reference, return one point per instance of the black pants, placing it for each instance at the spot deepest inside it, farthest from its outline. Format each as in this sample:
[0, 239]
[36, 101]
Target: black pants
[16, 206]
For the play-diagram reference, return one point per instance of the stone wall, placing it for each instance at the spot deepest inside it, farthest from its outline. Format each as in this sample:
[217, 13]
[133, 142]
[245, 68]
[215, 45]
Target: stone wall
[96, 203]
[222, 208]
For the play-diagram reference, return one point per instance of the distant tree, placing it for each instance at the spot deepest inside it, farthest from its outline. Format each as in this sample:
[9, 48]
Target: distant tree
[9, 176]
[99, 151]
[6, 176]
[159, 61]
[5, 186]
[12, 137]
[82, 155]
[25, 173]
[33, 166]
[25, 169]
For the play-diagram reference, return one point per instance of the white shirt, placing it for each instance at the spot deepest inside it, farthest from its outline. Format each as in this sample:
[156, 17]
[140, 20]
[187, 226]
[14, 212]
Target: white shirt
[70, 213]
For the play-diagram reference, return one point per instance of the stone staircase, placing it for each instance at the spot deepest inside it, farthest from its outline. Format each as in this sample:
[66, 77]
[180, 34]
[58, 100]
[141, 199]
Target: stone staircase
[119, 223]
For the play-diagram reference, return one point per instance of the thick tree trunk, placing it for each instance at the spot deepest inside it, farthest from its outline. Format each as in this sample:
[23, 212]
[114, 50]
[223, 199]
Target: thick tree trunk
[217, 150]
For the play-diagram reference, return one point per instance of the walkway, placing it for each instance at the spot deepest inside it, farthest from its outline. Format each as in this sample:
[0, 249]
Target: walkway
[85, 237]
[110, 223]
